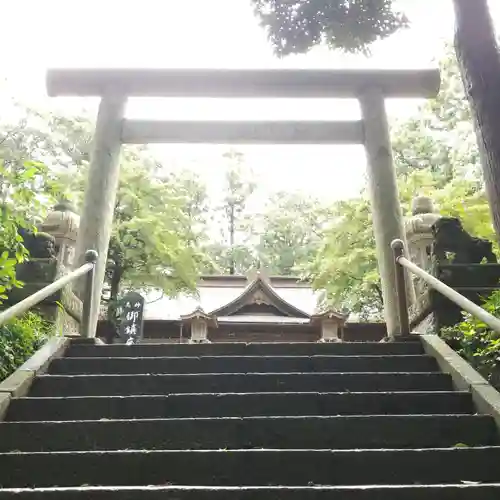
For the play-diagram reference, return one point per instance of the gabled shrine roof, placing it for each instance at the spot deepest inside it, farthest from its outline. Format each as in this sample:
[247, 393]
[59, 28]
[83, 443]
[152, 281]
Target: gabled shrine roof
[260, 291]
[223, 295]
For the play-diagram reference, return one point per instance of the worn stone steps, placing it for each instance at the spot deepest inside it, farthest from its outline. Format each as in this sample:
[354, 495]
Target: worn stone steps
[250, 467]
[115, 385]
[239, 405]
[213, 421]
[399, 492]
[243, 364]
[242, 349]
[348, 432]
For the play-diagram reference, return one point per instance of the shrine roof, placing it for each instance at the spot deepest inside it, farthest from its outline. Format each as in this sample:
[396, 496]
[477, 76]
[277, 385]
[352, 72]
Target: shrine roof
[224, 294]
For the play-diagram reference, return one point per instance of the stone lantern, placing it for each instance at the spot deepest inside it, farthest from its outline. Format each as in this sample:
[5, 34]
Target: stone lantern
[63, 223]
[418, 230]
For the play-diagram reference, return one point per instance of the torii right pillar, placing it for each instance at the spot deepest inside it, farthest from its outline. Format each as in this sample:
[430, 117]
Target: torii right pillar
[385, 203]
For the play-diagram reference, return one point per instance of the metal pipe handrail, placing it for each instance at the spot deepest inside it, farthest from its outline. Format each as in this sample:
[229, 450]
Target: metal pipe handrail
[32, 300]
[467, 305]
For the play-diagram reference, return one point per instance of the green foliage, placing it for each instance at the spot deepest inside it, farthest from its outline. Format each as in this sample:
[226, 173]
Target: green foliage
[157, 218]
[224, 259]
[291, 231]
[232, 251]
[195, 203]
[351, 25]
[27, 187]
[239, 186]
[345, 265]
[19, 339]
[20, 181]
[283, 235]
[58, 142]
[475, 341]
[441, 136]
[154, 242]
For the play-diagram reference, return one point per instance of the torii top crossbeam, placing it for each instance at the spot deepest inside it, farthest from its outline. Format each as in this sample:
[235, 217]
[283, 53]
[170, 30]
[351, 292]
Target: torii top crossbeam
[275, 83]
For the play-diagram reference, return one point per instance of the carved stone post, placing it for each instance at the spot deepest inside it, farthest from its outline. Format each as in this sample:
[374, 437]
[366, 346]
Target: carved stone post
[386, 208]
[100, 194]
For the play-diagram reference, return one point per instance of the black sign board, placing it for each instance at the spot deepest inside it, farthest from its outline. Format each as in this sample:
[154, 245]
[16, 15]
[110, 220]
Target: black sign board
[131, 313]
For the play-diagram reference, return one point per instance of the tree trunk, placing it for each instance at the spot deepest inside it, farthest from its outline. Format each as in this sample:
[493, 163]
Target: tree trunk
[479, 61]
[378, 289]
[232, 230]
[115, 282]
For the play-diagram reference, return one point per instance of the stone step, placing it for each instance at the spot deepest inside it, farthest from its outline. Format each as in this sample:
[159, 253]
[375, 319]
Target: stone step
[242, 349]
[123, 385]
[410, 431]
[250, 467]
[398, 492]
[239, 405]
[244, 364]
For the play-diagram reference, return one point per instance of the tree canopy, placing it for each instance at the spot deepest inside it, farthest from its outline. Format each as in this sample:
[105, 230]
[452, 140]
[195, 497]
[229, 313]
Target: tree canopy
[351, 25]
[291, 231]
[26, 186]
[230, 250]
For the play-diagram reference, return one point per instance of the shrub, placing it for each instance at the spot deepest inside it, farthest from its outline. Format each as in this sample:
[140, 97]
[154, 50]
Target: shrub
[20, 196]
[475, 341]
[19, 339]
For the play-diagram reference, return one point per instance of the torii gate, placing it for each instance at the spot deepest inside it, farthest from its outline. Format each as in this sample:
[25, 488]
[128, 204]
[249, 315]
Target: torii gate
[370, 87]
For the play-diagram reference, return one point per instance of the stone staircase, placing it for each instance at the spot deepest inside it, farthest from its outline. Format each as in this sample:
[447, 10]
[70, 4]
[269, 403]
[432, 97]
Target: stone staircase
[363, 421]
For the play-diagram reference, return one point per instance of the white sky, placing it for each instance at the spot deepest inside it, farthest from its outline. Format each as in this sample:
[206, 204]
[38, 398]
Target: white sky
[210, 33]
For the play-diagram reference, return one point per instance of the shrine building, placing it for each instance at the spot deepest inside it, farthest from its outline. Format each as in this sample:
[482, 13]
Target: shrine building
[252, 308]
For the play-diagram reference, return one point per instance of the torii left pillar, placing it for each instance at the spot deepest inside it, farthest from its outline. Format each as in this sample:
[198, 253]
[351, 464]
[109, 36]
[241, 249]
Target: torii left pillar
[100, 193]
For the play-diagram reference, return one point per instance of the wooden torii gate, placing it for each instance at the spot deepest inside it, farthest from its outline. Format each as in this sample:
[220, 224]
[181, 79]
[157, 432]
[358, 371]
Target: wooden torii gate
[370, 87]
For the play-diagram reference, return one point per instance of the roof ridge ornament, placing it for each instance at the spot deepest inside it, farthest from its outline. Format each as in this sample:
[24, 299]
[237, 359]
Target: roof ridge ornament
[259, 273]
